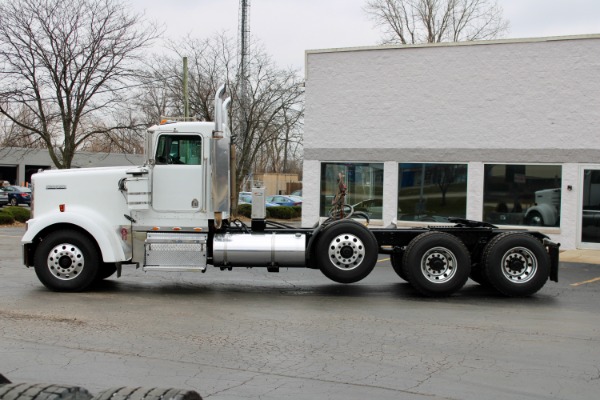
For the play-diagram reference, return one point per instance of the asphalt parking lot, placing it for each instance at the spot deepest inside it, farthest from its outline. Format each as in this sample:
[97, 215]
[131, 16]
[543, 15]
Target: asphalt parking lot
[249, 334]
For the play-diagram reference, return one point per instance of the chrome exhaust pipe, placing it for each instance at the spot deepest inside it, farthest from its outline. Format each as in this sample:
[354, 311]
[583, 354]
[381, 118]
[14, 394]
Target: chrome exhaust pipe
[220, 159]
[218, 132]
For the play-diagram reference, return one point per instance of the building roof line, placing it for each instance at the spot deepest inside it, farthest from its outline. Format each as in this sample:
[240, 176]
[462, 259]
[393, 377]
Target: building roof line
[453, 44]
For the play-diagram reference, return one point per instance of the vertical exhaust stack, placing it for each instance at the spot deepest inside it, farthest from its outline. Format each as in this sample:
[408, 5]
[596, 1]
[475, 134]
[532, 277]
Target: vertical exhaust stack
[220, 158]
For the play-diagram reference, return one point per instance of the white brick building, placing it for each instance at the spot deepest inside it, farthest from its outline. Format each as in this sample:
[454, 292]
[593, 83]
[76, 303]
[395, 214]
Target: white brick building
[493, 123]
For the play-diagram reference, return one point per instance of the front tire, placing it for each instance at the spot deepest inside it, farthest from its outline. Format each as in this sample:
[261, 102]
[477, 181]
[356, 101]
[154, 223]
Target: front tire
[66, 261]
[437, 263]
[346, 251]
[516, 264]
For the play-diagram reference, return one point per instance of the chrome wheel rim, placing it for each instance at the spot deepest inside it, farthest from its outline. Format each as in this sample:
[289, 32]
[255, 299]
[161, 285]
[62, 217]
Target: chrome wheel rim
[346, 252]
[65, 261]
[438, 265]
[519, 265]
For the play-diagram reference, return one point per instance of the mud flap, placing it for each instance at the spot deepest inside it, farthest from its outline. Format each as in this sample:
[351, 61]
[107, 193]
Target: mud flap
[554, 259]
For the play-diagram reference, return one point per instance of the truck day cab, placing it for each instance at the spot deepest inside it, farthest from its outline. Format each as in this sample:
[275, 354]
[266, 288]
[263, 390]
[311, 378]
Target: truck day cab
[172, 214]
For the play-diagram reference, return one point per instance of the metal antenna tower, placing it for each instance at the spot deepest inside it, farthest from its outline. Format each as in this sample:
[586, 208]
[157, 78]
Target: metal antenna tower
[244, 40]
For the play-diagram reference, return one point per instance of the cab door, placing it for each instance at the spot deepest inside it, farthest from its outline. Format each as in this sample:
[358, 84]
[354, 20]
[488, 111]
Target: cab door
[178, 174]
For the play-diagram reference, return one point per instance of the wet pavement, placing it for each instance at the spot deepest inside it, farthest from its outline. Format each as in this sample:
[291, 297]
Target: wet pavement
[248, 334]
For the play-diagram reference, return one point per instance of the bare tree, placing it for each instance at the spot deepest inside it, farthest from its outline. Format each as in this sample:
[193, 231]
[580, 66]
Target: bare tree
[212, 62]
[12, 135]
[68, 63]
[129, 139]
[155, 95]
[275, 109]
[434, 21]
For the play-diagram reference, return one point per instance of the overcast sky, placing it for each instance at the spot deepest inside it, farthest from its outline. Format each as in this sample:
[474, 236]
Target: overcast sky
[287, 28]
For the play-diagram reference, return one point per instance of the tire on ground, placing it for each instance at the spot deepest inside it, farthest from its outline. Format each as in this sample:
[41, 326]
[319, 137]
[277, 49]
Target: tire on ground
[396, 261]
[67, 260]
[478, 275]
[516, 264]
[39, 391]
[437, 263]
[346, 251]
[140, 393]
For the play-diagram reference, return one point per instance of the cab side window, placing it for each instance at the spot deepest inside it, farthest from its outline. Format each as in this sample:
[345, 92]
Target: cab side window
[179, 149]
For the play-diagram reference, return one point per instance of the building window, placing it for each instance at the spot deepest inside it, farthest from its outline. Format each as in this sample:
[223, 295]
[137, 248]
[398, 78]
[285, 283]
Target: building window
[522, 194]
[364, 182]
[432, 192]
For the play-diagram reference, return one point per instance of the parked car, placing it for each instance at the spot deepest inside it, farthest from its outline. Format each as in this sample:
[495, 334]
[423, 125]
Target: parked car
[246, 198]
[297, 193]
[3, 198]
[289, 200]
[18, 195]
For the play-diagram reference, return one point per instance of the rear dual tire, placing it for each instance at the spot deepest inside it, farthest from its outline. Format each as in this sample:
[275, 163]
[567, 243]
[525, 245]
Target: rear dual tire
[436, 264]
[516, 264]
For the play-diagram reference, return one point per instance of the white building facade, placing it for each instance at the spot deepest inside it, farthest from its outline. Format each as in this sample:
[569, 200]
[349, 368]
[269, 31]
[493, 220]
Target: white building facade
[505, 132]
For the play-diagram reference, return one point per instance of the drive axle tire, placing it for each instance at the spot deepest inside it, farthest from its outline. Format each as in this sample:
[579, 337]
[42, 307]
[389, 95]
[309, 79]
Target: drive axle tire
[38, 391]
[139, 393]
[437, 263]
[66, 261]
[346, 252]
[516, 264]
[396, 261]
[478, 275]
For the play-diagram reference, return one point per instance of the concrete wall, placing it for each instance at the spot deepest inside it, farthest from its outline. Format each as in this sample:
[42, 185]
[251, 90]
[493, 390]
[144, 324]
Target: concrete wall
[517, 101]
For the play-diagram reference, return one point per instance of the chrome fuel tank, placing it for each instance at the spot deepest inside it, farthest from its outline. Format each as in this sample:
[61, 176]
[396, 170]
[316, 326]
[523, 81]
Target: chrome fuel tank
[259, 250]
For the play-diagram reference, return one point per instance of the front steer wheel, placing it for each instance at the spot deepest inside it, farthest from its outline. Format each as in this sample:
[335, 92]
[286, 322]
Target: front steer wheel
[346, 252]
[66, 261]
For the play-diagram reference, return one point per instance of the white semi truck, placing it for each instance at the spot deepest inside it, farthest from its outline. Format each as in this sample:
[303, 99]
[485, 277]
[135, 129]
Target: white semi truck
[172, 214]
